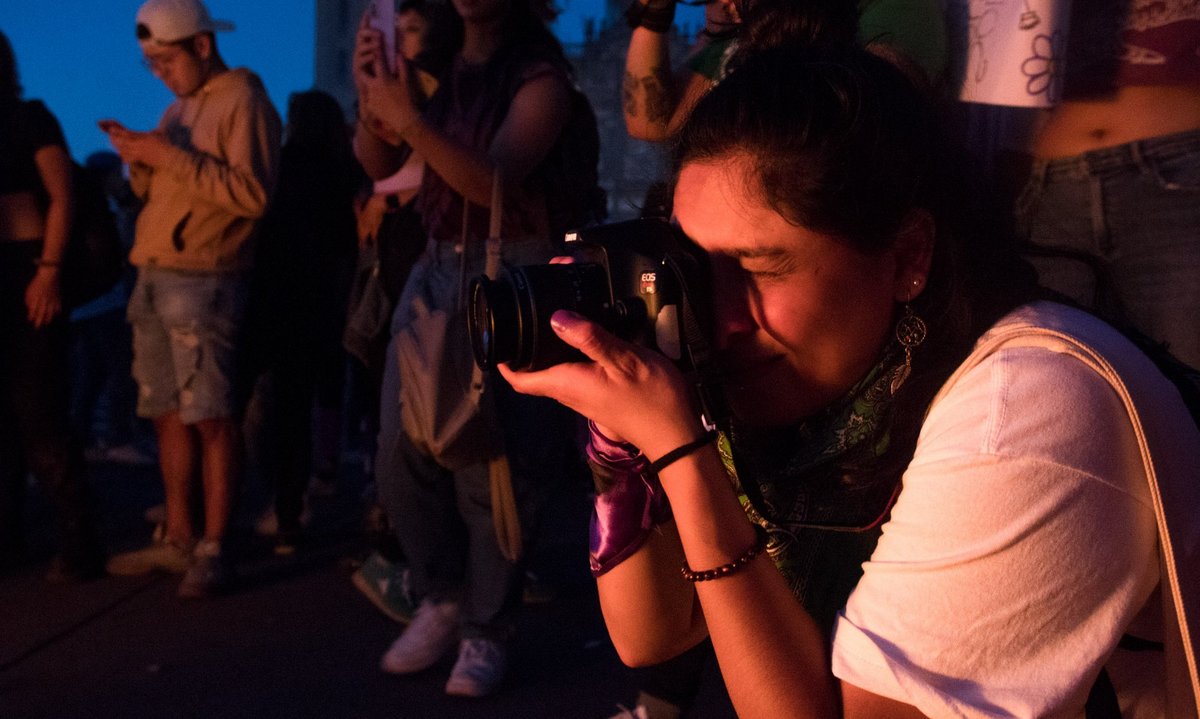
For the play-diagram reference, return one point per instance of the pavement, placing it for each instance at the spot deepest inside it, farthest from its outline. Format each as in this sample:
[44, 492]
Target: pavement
[295, 638]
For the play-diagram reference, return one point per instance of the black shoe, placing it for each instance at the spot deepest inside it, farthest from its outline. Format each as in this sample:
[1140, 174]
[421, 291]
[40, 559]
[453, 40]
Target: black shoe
[64, 570]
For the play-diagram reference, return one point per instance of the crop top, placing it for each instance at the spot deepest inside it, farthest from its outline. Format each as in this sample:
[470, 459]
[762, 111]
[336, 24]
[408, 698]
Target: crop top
[1120, 43]
[25, 128]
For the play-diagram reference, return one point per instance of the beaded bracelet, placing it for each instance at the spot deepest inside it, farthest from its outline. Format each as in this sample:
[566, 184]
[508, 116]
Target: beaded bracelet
[760, 543]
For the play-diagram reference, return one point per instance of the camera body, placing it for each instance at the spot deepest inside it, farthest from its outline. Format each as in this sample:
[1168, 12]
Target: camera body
[643, 280]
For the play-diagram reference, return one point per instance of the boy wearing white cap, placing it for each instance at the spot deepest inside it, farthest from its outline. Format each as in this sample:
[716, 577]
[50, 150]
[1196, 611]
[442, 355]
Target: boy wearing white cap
[205, 175]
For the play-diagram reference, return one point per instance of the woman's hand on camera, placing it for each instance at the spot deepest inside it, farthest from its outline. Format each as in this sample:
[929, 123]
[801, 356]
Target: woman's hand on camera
[633, 393]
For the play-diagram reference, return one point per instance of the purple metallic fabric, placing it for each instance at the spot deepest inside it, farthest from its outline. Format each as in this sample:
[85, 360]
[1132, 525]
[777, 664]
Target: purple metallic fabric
[630, 506]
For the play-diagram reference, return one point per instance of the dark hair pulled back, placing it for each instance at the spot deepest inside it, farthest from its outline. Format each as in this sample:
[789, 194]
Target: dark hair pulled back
[842, 142]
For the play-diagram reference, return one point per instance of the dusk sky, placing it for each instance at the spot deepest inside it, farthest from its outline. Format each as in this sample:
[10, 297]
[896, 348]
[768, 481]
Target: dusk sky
[81, 58]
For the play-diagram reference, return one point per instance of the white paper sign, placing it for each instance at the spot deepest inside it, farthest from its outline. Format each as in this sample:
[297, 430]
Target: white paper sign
[1015, 52]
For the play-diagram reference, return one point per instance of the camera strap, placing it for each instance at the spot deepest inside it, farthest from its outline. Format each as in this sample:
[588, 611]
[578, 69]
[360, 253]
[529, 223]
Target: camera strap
[493, 243]
[695, 331]
[505, 518]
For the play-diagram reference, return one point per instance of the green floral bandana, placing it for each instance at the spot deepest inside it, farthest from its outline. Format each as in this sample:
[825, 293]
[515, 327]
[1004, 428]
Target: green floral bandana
[820, 489]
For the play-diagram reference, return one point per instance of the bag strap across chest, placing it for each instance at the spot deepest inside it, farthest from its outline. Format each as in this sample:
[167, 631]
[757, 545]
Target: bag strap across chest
[1174, 503]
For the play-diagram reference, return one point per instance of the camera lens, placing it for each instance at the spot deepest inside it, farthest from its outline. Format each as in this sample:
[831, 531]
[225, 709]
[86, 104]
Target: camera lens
[485, 298]
[509, 318]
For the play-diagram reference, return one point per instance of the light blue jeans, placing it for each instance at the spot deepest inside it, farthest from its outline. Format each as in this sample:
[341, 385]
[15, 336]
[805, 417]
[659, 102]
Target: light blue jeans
[443, 519]
[1118, 230]
[186, 332]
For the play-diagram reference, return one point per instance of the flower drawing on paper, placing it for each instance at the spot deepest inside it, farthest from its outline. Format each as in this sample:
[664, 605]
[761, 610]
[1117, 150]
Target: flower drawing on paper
[1029, 18]
[979, 28]
[1137, 55]
[1042, 68]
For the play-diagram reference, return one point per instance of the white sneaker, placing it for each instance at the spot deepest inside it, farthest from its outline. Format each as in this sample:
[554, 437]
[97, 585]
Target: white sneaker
[159, 556]
[267, 525]
[431, 635]
[210, 573]
[648, 707]
[479, 669]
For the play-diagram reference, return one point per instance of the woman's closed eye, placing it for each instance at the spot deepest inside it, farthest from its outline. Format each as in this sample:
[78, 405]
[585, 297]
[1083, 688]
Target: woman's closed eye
[769, 269]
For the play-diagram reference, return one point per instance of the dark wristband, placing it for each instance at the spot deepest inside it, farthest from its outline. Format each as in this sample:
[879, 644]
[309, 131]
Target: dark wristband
[655, 19]
[679, 453]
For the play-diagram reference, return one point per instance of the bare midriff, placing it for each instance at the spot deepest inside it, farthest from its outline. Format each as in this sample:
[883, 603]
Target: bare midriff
[20, 217]
[1132, 113]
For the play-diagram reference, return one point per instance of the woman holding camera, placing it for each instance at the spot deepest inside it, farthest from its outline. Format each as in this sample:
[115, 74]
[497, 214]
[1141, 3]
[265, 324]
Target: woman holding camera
[949, 512]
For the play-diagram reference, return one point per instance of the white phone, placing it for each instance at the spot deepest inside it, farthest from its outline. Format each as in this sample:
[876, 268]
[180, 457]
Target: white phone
[383, 19]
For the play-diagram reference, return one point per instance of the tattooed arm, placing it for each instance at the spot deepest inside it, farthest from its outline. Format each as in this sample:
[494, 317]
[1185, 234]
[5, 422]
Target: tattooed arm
[656, 101]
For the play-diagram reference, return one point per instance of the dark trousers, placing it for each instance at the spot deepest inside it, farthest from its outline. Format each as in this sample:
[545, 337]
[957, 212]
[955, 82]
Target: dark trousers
[104, 395]
[278, 429]
[35, 431]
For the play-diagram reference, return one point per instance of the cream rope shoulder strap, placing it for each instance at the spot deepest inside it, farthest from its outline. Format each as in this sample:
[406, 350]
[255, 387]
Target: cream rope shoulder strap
[1172, 468]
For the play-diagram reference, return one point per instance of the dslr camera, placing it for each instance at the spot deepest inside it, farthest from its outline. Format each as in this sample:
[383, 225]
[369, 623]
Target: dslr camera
[643, 280]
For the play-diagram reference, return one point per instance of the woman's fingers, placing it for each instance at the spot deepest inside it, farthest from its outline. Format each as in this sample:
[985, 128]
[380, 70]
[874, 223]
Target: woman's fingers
[41, 307]
[571, 381]
[378, 66]
[615, 364]
[366, 49]
[586, 336]
[621, 362]
[633, 392]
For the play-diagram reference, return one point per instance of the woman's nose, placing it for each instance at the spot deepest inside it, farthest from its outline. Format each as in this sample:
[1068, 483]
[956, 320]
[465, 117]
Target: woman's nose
[731, 308]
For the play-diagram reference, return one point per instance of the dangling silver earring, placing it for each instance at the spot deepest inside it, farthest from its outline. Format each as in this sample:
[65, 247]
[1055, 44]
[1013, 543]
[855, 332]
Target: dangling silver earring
[910, 333]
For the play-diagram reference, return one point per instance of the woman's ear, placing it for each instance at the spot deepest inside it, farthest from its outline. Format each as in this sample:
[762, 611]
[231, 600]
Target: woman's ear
[914, 254]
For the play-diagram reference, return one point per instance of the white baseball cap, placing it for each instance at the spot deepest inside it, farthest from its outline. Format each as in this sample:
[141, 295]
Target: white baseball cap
[162, 22]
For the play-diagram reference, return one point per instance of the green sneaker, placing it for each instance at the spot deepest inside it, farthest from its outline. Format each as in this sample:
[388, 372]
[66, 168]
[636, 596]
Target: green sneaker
[387, 586]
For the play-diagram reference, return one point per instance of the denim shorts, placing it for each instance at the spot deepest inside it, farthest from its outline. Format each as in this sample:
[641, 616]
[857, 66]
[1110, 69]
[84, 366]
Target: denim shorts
[1118, 230]
[186, 330]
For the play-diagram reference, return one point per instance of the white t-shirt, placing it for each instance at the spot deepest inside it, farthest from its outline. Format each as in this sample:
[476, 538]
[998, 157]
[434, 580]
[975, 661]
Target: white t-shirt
[1022, 546]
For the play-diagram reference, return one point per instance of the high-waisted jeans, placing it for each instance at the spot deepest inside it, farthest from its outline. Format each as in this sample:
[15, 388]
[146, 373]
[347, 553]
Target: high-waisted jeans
[443, 519]
[1118, 230]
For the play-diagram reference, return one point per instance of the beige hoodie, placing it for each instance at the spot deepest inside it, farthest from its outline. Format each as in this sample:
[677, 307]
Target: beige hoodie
[201, 207]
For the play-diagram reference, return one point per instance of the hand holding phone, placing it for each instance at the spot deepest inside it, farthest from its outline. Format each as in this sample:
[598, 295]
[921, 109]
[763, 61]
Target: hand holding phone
[382, 15]
[110, 126]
